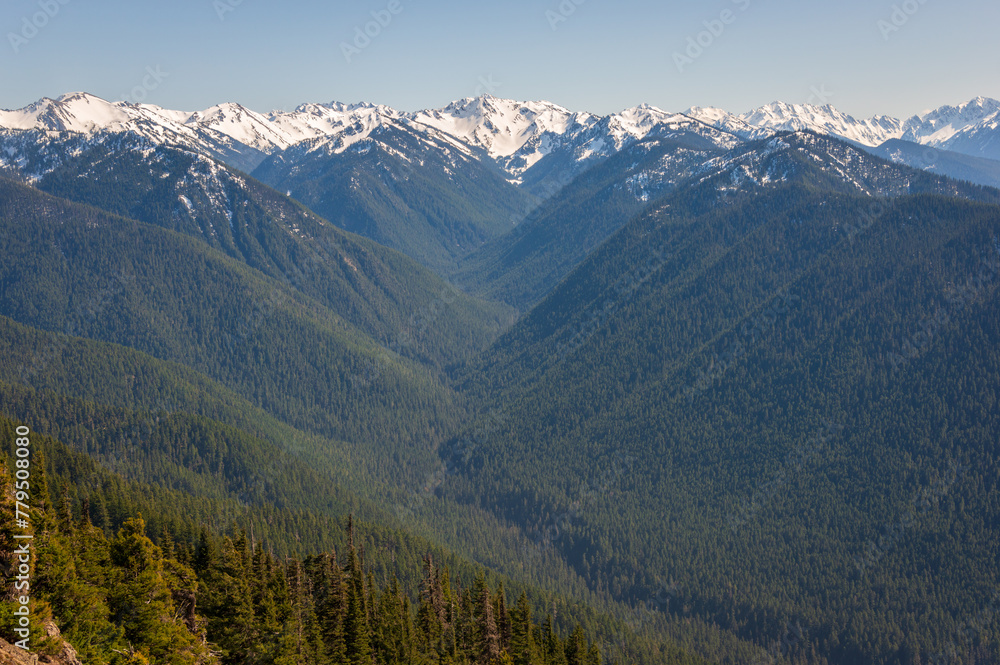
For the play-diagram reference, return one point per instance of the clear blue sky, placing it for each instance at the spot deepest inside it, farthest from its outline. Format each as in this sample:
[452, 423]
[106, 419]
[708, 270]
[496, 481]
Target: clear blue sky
[606, 55]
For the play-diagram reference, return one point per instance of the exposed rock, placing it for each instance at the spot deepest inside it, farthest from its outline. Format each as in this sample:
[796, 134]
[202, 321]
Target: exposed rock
[12, 655]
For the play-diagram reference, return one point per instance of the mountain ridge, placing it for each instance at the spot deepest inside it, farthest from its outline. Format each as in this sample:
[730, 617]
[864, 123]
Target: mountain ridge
[514, 134]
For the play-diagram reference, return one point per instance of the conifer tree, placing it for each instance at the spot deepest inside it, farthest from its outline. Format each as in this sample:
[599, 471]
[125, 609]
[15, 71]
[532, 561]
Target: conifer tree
[391, 643]
[141, 601]
[487, 635]
[205, 553]
[522, 643]
[502, 617]
[430, 612]
[233, 622]
[300, 641]
[576, 647]
[331, 610]
[553, 650]
[356, 629]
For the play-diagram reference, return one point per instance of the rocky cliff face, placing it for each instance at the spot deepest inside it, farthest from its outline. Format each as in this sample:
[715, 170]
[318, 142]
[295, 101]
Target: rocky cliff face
[11, 655]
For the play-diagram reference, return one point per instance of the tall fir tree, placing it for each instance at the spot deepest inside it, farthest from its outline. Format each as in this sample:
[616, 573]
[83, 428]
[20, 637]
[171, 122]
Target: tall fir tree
[487, 635]
[523, 649]
[141, 600]
[357, 632]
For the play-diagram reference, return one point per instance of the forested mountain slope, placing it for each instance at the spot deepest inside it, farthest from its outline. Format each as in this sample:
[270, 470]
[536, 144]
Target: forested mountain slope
[522, 266]
[91, 274]
[781, 399]
[413, 189]
[382, 292]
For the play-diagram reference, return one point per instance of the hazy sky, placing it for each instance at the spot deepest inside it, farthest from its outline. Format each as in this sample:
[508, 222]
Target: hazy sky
[594, 55]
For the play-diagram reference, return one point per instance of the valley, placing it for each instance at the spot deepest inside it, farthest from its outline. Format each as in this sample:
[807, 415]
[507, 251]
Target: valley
[703, 387]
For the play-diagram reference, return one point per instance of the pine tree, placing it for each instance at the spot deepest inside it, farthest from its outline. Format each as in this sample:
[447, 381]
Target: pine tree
[522, 643]
[487, 635]
[205, 554]
[502, 617]
[576, 647]
[300, 641]
[233, 623]
[430, 612]
[553, 649]
[357, 632]
[141, 600]
[331, 609]
[391, 642]
[269, 627]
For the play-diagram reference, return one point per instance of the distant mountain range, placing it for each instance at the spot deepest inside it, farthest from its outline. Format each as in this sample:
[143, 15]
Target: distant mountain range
[441, 184]
[518, 136]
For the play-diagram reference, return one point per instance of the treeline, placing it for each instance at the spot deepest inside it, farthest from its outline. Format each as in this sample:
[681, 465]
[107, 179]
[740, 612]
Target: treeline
[126, 600]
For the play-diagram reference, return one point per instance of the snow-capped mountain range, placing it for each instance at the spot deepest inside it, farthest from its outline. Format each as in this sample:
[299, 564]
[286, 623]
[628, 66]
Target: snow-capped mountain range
[969, 128]
[515, 135]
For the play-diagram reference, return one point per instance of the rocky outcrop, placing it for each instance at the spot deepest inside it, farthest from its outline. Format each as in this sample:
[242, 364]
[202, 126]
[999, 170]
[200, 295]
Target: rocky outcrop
[12, 655]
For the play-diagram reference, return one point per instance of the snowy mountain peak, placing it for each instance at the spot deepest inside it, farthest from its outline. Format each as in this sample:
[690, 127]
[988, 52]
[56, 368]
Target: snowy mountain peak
[972, 110]
[514, 134]
[501, 126]
[826, 119]
[73, 112]
[727, 122]
[953, 119]
[243, 125]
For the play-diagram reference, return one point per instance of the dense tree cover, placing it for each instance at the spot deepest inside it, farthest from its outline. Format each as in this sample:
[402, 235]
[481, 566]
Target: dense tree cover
[94, 275]
[435, 204]
[524, 265]
[520, 267]
[125, 599]
[226, 464]
[783, 409]
[757, 423]
[383, 293]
